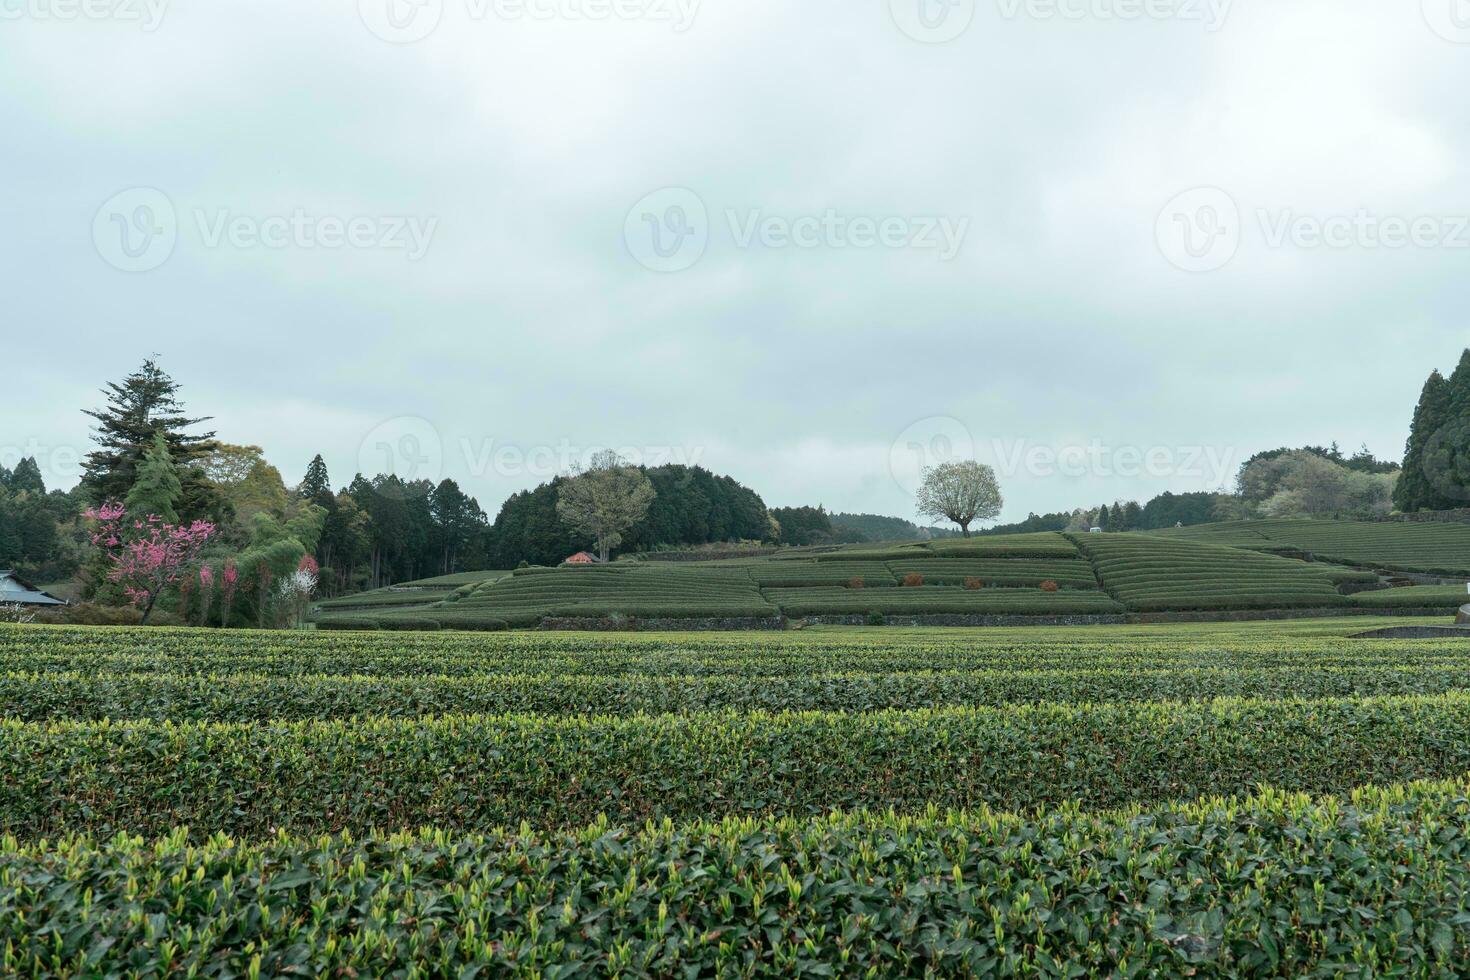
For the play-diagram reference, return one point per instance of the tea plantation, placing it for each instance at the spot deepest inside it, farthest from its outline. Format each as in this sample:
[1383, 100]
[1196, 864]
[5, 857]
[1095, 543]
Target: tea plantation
[1218, 569]
[1114, 800]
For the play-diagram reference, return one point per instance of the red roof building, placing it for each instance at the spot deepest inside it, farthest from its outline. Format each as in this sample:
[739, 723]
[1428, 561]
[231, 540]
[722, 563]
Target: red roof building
[582, 558]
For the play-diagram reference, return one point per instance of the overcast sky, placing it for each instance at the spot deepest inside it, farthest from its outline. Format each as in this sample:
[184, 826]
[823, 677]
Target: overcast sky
[1110, 246]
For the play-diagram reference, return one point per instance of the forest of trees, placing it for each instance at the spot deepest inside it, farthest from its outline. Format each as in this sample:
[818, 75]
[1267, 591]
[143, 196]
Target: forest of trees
[691, 506]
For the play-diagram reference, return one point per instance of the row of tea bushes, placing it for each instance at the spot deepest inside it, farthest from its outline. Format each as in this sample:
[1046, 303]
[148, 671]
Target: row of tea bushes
[214, 653]
[1274, 884]
[480, 772]
[253, 698]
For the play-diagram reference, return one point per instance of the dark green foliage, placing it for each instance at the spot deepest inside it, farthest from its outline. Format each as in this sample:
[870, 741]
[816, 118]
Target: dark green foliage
[691, 506]
[1169, 509]
[1032, 524]
[1446, 444]
[803, 525]
[156, 491]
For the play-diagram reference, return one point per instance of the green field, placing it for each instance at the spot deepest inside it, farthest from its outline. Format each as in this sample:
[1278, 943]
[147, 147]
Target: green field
[1178, 799]
[1240, 567]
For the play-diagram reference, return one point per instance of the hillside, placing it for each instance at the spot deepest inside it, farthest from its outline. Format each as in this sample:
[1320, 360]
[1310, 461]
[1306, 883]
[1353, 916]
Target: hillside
[1213, 569]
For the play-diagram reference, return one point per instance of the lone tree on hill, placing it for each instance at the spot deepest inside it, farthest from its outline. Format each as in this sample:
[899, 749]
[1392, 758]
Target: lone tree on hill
[604, 500]
[962, 492]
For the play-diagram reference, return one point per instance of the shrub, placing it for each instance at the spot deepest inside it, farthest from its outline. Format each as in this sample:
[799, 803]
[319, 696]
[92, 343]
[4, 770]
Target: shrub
[409, 624]
[856, 582]
[348, 623]
[876, 619]
[913, 580]
[973, 584]
[1049, 586]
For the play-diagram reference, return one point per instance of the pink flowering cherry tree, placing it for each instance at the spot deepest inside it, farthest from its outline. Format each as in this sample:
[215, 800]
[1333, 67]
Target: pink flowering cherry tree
[148, 555]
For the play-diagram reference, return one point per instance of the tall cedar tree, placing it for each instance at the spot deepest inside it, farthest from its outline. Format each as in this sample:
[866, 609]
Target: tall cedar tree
[1447, 451]
[1414, 490]
[145, 404]
[316, 484]
[157, 490]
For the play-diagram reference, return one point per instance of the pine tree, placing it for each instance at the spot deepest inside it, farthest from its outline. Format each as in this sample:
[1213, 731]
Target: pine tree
[1414, 491]
[157, 490]
[27, 477]
[143, 405]
[1447, 448]
[316, 483]
[1105, 519]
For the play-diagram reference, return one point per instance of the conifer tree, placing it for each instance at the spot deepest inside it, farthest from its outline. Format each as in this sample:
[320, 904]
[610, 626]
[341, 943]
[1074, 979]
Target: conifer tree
[157, 490]
[142, 405]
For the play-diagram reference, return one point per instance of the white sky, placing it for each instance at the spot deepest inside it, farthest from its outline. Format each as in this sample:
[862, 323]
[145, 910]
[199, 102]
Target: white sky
[525, 141]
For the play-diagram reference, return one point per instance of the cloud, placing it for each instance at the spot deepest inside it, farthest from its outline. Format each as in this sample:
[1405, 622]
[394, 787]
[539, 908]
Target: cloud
[528, 133]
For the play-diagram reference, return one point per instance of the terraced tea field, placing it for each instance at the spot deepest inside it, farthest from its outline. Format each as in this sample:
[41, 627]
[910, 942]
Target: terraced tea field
[1429, 548]
[1215, 569]
[823, 802]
